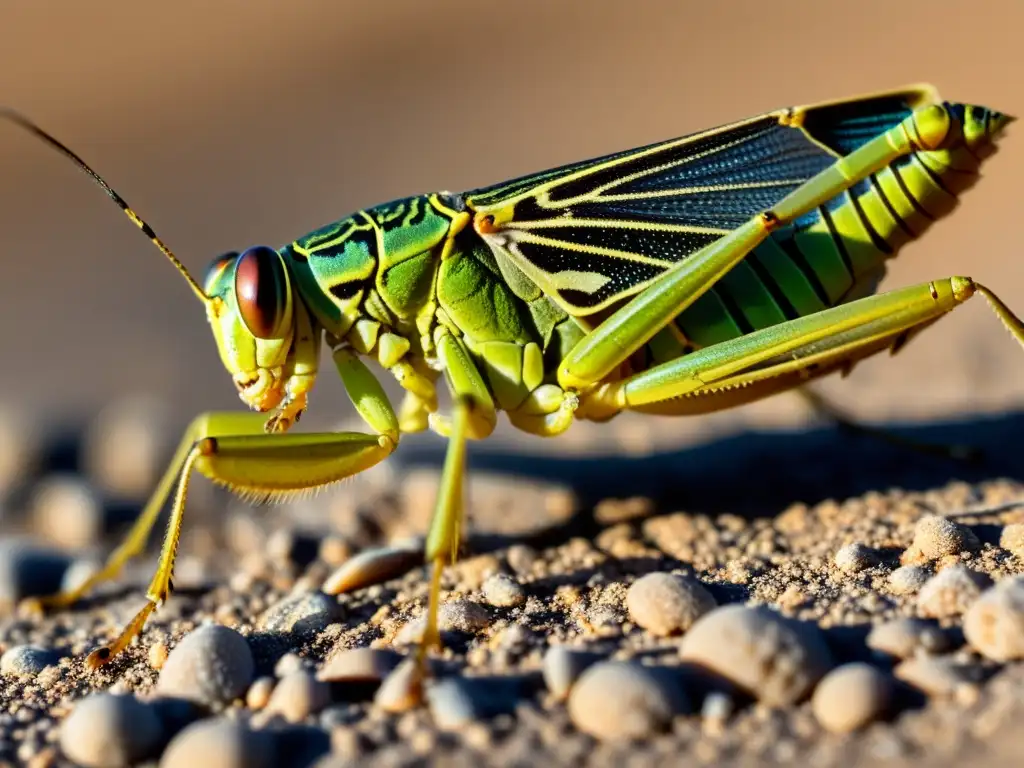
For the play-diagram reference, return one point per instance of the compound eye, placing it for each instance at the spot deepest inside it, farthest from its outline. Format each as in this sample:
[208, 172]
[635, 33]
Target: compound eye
[263, 292]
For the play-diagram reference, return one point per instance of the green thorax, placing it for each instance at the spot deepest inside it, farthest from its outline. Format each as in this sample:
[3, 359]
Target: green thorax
[382, 269]
[377, 265]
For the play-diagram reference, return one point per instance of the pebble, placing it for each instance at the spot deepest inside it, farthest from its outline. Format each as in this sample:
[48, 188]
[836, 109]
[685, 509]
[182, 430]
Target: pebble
[28, 570]
[563, 666]
[373, 566]
[66, 510]
[950, 592]
[778, 660]
[258, 695]
[936, 537]
[502, 591]
[454, 616]
[903, 637]
[1012, 539]
[717, 708]
[934, 675]
[219, 743]
[298, 695]
[616, 700]
[666, 603]
[27, 660]
[851, 696]
[994, 624]
[107, 730]
[359, 665]
[908, 579]
[20, 444]
[158, 653]
[854, 558]
[457, 702]
[402, 689]
[463, 616]
[303, 613]
[288, 663]
[211, 665]
[126, 444]
[78, 572]
[520, 558]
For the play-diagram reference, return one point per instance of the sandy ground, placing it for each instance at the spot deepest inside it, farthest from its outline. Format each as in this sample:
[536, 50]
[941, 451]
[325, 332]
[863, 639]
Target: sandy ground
[574, 546]
[228, 128]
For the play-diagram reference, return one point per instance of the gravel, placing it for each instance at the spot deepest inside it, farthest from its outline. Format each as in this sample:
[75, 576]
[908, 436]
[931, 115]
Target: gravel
[619, 700]
[220, 743]
[28, 569]
[725, 639]
[951, 591]
[666, 603]
[1012, 539]
[936, 675]
[502, 591]
[936, 537]
[904, 637]
[27, 660]
[563, 667]
[359, 665]
[777, 660]
[108, 731]
[851, 696]
[212, 665]
[297, 696]
[372, 567]
[908, 579]
[303, 613]
[994, 624]
[855, 557]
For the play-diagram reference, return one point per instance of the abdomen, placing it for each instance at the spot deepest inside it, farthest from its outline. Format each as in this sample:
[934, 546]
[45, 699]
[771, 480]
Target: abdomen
[834, 254]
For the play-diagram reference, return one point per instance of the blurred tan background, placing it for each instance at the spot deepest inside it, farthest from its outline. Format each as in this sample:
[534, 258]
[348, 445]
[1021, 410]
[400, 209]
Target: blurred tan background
[234, 123]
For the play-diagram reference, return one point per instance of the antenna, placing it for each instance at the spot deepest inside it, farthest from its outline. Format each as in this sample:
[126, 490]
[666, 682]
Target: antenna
[147, 230]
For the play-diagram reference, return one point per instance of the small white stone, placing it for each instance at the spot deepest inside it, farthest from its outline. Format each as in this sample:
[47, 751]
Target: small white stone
[950, 592]
[994, 624]
[107, 730]
[298, 695]
[616, 700]
[211, 665]
[27, 660]
[908, 579]
[778, 660]
[219, 743]
[851, 696]
[936, 537]
[563, 667]
[903, 637]
[502, 591]
[854, 558]
[1012, 539]
[666, 603]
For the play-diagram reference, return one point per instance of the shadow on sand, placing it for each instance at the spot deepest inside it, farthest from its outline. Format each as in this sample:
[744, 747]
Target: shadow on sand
[759, 473]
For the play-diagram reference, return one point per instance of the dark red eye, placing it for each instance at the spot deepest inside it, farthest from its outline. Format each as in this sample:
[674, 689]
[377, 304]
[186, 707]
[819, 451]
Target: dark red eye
[263, 292]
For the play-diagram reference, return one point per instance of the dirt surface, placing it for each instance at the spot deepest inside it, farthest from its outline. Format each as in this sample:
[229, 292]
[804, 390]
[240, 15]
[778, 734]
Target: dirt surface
[574, 550]
[227, 128]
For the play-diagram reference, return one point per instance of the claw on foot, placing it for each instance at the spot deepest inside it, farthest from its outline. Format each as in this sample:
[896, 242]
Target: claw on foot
[106, 653]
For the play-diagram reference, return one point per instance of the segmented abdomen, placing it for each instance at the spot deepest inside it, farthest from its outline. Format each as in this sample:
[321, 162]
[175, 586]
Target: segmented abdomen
[835, 253]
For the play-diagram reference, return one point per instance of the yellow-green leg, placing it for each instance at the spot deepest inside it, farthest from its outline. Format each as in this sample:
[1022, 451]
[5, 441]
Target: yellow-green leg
[473, 417]
[773, 359]
[633, 325]
[234, 450]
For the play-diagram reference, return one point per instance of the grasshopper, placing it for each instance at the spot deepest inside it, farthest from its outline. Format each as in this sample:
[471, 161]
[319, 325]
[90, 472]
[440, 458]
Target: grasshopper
[679, 278]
